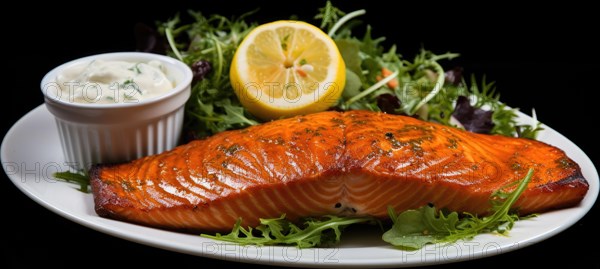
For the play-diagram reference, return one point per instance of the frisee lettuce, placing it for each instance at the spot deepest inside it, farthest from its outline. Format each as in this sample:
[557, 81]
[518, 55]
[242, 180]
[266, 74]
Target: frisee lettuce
[411, 229]
[281, 231]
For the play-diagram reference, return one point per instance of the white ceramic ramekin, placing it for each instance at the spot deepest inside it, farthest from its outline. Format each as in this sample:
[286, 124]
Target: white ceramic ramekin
[111, 133]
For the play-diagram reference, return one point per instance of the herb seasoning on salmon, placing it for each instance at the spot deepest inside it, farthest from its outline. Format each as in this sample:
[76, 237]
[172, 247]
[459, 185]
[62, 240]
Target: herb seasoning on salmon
[360, 164]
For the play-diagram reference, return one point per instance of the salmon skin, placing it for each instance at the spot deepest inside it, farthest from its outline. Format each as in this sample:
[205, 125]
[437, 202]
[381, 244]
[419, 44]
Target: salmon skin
[340, 163]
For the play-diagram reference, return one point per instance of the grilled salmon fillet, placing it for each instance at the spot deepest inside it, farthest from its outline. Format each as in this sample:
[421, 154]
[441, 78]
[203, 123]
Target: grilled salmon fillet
[350, 163]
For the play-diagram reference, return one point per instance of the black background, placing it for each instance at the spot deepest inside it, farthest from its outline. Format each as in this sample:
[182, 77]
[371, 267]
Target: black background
[541, 56]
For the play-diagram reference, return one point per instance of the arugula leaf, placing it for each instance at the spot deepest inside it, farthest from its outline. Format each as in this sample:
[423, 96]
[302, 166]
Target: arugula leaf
[79, 178]
[353, 85]
[280, 231]
[412, 229]
[235, 114]
[350, 51]
[529, 131]
[329, 15]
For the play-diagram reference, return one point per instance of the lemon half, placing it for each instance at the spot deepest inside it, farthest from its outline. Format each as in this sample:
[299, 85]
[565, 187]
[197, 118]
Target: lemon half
[287, 68]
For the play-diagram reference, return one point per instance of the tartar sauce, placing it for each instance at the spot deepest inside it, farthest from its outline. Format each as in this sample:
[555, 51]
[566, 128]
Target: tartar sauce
[109, 82]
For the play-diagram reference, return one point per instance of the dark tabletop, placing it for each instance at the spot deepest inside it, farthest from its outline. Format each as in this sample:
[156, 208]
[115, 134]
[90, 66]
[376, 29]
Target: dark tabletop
[540, 57]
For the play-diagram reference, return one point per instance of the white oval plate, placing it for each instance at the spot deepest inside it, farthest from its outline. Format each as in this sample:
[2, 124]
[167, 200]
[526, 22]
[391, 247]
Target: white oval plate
[31, 152]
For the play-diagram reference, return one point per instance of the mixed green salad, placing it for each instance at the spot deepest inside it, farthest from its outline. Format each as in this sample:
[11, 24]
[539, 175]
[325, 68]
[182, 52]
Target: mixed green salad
[377, 79]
